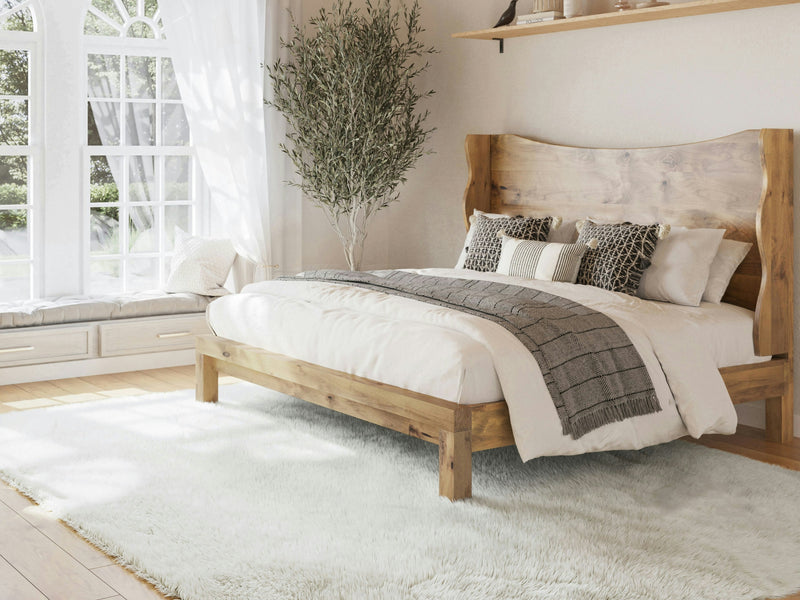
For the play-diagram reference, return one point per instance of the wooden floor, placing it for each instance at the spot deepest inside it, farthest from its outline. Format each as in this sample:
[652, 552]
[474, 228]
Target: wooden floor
[41, 558]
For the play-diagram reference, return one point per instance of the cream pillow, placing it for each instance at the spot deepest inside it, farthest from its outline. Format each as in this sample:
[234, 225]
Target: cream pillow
[729, 256]
[200, 265]
[680, 266]
[546, 261]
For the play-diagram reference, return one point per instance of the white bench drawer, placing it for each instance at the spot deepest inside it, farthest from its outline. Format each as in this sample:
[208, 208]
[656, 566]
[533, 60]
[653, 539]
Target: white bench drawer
[22, 346]
[153, 335]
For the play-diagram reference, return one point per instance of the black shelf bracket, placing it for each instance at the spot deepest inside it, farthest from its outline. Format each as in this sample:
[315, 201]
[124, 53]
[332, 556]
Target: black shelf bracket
[501, 40]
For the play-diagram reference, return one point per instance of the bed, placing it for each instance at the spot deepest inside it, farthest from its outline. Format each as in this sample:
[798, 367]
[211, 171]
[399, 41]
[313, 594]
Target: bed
[742, 183]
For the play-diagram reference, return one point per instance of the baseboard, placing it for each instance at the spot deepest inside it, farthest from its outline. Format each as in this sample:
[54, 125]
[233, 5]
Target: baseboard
[753, 414]
[96, 366]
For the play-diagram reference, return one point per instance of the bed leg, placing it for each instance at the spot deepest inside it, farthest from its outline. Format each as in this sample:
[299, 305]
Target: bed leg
[455, 464]
[780, 419]
[207, 379]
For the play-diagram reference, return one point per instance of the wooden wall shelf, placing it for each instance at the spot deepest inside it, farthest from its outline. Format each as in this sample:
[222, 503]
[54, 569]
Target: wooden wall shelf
[672, 11]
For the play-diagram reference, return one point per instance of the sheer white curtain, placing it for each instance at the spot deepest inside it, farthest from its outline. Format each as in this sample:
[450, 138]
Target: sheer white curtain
[219, 49]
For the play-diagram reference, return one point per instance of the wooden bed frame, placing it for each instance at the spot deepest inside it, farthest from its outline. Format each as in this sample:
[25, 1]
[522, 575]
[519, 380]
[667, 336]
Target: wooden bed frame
[742, 182]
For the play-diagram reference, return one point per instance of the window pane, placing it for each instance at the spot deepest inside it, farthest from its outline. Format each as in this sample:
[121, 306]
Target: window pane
[13, 180]
[109, 9]
[141, 71]
[96, 26]
[14, 241]
[142, 274]
[14, 72]
[176, 178]
[142, 230]
[14, 122]
[150, 8]
[104, 230]
[103, 73]
[105, 277]
[140, 124]
[169, 85]
[142, 185]
[22, 20]
[104, 171]
[140, 29]
[176, 216]
[130, 6]
[104, 126]
[16, 281]
[175, 130]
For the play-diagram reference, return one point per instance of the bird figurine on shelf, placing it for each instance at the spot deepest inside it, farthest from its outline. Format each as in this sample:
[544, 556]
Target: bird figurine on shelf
[508, 15]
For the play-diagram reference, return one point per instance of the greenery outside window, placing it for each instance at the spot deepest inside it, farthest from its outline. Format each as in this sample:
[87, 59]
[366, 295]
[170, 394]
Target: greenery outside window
[140, 170]
[19, 154]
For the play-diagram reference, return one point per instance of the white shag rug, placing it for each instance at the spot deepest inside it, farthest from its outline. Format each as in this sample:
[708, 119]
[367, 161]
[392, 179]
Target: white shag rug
[265, 496]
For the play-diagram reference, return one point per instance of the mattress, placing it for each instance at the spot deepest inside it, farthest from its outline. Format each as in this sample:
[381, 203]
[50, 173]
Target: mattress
[397, 351]
[463, 358]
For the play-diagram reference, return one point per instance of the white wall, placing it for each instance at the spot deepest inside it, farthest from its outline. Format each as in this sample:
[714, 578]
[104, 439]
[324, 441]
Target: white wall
[646, 84]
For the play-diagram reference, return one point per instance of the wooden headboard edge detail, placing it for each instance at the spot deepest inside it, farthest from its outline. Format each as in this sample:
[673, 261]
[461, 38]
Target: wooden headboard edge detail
[501, 180]
[477, 196]
[773, 329]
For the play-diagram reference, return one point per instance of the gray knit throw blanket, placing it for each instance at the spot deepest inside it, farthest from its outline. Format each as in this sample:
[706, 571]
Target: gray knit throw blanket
[593, 372]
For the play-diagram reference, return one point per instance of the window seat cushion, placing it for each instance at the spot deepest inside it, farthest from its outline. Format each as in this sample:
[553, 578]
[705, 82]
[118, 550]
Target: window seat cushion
[75, 309]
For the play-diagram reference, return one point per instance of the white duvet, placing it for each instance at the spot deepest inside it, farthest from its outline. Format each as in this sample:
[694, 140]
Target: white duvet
[464, 358]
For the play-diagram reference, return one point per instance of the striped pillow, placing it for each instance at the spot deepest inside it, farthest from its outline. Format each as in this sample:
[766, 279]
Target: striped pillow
[547, 261]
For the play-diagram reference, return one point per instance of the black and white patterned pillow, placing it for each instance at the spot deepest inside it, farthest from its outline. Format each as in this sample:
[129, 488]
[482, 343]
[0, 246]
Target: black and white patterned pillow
[483, 252]
[623, 253]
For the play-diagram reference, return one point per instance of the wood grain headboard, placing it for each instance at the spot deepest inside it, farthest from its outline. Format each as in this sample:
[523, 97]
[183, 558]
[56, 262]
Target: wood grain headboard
[743, 183]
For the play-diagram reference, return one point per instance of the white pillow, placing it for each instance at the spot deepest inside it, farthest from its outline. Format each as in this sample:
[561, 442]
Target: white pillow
[462, 258]
[680, 266]
[199, 265]
[546, 261]
[729, 256]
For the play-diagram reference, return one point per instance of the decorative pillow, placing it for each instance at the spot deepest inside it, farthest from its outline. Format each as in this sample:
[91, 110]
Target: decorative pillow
[483, 251]
[623, 253]
[729, 256]
[680, 266]
[199, 265]
[471, 232]
[547, 261]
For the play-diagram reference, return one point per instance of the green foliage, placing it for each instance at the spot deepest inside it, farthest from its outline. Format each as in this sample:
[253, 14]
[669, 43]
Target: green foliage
[22, 20]
[348, 95]
[13, 193]
[13, 219]
[103, 192]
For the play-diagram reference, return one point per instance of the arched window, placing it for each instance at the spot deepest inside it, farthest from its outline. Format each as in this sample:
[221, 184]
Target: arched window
[139, 163]
[19, 147]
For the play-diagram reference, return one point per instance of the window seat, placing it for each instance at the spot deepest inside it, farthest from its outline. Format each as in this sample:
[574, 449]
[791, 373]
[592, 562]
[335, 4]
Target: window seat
[73, 309]
[84, 335]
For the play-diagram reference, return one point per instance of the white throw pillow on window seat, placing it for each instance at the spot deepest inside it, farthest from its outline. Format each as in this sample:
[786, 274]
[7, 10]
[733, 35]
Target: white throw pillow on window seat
[200, 265]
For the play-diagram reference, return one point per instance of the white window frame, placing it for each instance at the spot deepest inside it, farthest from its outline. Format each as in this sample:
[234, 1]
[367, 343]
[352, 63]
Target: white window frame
[199, 203]
[31, 41]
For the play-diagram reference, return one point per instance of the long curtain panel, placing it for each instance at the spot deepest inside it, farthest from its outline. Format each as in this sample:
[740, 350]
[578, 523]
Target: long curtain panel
[219, 50]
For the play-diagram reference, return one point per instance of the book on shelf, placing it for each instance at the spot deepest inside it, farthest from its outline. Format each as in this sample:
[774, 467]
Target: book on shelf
[547, 5]
[547, 15]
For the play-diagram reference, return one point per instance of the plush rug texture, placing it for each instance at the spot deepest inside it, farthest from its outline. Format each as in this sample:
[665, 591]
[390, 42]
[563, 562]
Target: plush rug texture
[264, 496]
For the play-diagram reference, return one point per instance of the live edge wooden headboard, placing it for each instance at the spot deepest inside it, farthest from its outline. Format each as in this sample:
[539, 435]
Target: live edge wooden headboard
[743, 182]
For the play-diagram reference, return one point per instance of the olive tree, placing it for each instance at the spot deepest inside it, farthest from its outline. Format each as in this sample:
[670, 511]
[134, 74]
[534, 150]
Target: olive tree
[347, 91]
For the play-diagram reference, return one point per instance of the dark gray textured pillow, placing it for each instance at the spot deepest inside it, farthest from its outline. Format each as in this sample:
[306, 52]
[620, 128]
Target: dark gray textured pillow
[623, 253]
[483, 252]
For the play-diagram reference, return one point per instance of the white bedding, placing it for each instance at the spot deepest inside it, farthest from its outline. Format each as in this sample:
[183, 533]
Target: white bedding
[463, 358]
